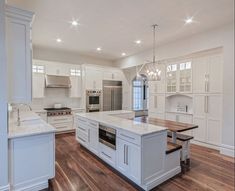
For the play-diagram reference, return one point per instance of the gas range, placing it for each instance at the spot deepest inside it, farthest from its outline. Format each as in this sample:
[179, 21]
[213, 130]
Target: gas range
[58, 111]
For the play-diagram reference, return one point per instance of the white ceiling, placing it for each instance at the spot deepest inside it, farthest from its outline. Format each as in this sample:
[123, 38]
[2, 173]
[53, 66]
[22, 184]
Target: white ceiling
[114, 25]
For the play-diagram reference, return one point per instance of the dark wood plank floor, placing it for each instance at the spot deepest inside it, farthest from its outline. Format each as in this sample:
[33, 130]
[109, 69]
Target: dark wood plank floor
[78, 170]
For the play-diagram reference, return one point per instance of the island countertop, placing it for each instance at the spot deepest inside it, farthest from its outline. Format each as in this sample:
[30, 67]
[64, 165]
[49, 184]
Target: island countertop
[112, 119]
[31, 124]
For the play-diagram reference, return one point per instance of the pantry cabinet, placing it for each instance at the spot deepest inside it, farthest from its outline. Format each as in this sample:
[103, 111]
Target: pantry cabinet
[157, 103]
[19, 54]
[207, 74]
[208, 117]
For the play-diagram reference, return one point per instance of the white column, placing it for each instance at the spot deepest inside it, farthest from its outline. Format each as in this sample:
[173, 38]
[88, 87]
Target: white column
[3, 103]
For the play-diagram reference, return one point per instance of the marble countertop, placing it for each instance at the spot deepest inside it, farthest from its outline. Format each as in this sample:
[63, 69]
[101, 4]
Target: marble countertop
[108, 118]
[31, 124]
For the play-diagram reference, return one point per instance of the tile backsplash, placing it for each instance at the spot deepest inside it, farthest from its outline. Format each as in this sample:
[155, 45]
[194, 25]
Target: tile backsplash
[55, 95]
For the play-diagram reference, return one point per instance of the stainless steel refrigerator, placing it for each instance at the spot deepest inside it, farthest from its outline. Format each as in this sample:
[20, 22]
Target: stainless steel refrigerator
[112, 95]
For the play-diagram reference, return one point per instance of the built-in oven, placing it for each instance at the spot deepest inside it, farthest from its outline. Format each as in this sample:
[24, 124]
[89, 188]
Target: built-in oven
[93, 99]
[107, 136]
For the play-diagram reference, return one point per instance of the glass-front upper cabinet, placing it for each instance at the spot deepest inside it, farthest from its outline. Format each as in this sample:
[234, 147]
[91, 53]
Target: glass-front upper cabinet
[171, 78]
[179, 77]
[185, 77]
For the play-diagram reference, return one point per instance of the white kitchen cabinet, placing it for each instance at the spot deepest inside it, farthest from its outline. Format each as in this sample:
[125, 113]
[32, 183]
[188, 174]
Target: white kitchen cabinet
[31, 161]
[93, 78]
[179, 77]
[76, 90]
[19, 51]
[56, 68]
[87, 134]
[127, 153]
[207, 115]
[157, 103]
[112, 75]
[207, 74]
[38, 85]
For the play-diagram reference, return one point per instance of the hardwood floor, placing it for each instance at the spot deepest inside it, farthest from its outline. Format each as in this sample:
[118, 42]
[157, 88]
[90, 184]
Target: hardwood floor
[79, 170]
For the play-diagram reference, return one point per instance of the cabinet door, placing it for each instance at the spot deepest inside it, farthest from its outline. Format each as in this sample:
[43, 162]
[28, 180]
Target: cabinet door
[38, 85]
[215, 74]
[171, 116]
[157, 103]
[19, 54]
[108, 76]
[93, 79]
[121, 156]
[133, 153]
[171, 78]
[93, 139]
[214, 121]
[199, 118]
[186, 119]
[75, 90]
[199, 74]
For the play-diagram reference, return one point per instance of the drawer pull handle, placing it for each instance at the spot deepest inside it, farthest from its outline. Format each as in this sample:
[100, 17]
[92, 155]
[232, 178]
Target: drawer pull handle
[81, 128]
[93, 124]
[81, 139]
[106, 155]
[82, 120]
[127, 136]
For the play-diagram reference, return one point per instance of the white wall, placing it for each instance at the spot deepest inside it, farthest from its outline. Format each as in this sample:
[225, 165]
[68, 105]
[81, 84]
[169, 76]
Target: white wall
[219, 37]
[3, 104]
[43, 53]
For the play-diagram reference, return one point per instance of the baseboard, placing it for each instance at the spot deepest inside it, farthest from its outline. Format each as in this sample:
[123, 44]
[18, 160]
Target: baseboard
[5, 188]
[205, 145]
[33, 187]
[160, 179]
[227, 150]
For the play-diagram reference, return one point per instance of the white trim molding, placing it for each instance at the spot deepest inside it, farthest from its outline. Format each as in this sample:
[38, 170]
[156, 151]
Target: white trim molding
[5, 188]
[227, 150]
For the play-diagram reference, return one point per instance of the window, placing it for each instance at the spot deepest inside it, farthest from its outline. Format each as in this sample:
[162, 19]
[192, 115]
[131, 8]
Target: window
[139, 94]
[38, 69]
[75, 72]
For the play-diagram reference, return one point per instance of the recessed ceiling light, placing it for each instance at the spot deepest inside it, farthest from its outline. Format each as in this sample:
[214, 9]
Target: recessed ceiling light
[123, 54]
[74, 23]
[138, 41]
[189, 20]
[58, 40]
[98, 49]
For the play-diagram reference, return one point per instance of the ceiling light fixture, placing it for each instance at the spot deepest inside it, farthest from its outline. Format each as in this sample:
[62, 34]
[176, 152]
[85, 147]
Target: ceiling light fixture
[189, 20]
[123, 54]
[150, 69]
[74, 23]
[138, 41]
[58, 40]
[99, 49]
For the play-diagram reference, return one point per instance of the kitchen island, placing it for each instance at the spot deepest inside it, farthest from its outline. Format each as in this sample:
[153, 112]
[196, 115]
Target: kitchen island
[31, 152]
[135, 149]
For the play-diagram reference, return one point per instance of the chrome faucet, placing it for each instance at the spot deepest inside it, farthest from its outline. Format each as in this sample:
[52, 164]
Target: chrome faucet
[18, 111]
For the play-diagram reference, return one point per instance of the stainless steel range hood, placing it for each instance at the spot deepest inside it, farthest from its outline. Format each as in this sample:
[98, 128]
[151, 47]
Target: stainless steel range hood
[53, 81]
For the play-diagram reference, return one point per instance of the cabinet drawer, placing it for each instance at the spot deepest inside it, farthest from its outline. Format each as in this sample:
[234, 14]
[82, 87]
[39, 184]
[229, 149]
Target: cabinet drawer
[62, 125]
[83, 128]
[81, 121]
[82, 137]
[107, 154]
[60, 119]
[130, 137]
[93, 124]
